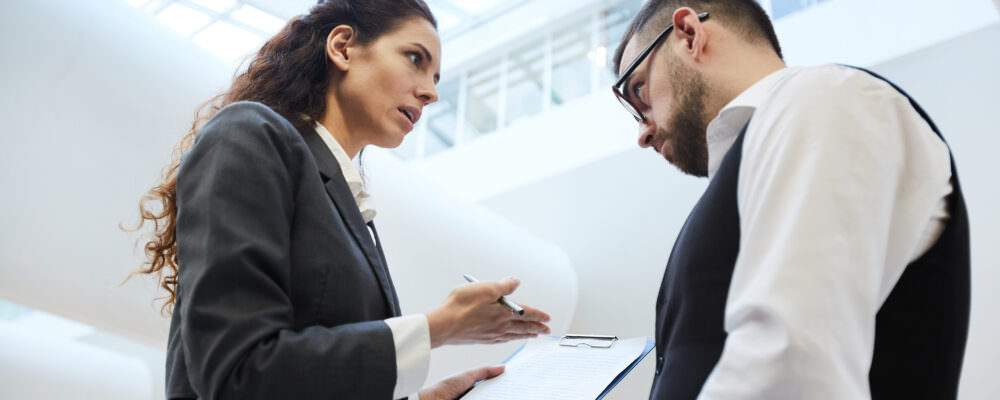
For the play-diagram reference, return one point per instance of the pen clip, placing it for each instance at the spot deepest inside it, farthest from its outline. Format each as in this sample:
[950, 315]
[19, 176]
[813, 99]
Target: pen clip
[591, 341]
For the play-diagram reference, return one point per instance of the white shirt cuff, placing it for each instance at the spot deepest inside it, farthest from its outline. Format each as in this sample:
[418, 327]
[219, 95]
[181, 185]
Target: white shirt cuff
[412, 338]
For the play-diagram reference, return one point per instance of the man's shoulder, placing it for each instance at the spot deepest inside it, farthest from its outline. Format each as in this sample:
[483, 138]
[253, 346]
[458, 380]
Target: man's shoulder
[831, 83]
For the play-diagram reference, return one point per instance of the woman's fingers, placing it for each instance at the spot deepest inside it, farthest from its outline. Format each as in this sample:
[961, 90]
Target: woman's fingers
[479, 374]
[514, 336]
[454, 386]
[485, 292]
[492, 291]
[533, 314]
[526, 327]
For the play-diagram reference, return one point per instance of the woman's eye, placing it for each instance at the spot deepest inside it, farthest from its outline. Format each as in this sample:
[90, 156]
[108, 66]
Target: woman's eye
[415, 58]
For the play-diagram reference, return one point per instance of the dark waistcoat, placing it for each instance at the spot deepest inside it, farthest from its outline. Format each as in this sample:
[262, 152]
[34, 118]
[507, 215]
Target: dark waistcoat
[920, 330]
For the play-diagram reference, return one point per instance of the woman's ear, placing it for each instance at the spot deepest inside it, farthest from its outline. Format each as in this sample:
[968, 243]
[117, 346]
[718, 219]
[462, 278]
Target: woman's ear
[338, 42]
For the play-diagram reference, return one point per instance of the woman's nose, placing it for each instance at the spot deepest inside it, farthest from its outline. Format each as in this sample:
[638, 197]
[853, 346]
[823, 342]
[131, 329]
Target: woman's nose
[428, 94]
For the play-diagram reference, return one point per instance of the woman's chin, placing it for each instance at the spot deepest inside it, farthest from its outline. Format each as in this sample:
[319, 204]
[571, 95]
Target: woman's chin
[390, 142]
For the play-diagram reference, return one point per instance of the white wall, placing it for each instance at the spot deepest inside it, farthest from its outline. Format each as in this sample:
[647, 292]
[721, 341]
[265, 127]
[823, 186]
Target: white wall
[617, 217]
[95, 94]
[94, 101]
[431, 239]
[51, 367]
[957, 83]
[864, 32]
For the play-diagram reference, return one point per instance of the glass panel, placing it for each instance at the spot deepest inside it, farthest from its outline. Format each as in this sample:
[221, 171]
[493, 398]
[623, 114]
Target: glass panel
[614, 21]
[259, 19]
[10, 311]
[408, 149]
[476, 7]
[570, 65]
[441, 118]
[227, 41]
[525, 81]
[183, 19]
[434, 143]
[216, 5]
[482, 101]
[782, 8]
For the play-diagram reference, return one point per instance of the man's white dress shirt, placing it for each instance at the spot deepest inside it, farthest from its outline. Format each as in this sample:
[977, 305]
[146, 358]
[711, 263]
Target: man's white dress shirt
[410, 333]
[841, 185]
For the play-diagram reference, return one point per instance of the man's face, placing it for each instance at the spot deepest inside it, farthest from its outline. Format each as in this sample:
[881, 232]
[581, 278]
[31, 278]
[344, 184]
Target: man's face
[672, 96]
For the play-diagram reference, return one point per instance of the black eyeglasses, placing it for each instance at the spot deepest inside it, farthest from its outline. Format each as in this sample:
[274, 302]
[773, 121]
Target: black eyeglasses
[617, 88]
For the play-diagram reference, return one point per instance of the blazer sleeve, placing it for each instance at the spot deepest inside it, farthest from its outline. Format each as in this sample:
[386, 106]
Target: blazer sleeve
[236, 202]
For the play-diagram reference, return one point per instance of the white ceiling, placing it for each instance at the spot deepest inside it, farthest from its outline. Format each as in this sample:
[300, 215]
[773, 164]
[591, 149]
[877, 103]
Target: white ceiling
[451, 14]
[286, 9]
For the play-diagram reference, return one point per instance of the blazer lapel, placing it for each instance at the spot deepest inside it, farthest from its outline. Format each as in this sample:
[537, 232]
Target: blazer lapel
[381, 256]
[340, 193]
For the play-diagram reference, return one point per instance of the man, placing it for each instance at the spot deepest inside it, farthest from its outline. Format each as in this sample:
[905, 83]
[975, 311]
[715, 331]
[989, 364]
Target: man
[829, 256]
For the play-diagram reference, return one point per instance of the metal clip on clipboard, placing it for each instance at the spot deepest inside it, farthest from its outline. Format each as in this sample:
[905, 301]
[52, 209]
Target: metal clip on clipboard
[591, 341]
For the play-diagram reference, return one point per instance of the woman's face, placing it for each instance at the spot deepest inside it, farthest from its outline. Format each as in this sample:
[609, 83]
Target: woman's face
[389, 81]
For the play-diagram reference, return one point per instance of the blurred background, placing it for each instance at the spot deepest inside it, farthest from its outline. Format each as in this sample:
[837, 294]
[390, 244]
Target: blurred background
[526, 166]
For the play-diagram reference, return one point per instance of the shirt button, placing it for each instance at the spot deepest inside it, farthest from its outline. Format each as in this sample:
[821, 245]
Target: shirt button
[659, 365]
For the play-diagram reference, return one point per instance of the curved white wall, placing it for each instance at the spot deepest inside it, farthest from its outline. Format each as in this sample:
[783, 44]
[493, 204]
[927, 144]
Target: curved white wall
[431, 239]
[50, 368]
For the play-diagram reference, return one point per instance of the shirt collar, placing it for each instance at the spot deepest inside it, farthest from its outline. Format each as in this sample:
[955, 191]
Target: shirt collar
[722, 131]
[354, 181]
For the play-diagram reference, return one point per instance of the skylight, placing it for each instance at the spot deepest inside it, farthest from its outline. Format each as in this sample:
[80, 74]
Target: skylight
[228, 41]
[454, 16]
[476, 7]
[257, 18]
[229, 29]
[182, 19]
[219, 6]
[446, 20]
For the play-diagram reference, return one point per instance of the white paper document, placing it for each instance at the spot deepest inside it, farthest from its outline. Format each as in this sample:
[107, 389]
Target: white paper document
[544, 370]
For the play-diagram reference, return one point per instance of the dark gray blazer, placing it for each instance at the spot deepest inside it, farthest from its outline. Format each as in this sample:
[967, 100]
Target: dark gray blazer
[281, 291]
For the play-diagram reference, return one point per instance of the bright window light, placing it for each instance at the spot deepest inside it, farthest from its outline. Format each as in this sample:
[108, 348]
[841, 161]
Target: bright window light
[153, 6]
[136, 3]
[259, 19]
[599, 56]
[218, 6]
[476, 7]
[446, 20]
[182, 19]
[227, 41]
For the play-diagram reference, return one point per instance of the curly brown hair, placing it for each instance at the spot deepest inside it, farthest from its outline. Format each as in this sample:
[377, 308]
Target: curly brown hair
[290, 74]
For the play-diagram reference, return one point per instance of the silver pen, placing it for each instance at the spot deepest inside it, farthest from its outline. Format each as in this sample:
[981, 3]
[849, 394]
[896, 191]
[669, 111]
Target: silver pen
[510, 305]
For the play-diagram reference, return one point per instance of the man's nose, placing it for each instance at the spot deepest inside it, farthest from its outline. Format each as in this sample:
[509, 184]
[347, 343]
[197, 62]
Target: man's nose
[646, 131]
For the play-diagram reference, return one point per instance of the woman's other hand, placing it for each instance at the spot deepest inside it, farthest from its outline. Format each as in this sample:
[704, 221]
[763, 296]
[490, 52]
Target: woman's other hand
[471, 314]
[456, 385]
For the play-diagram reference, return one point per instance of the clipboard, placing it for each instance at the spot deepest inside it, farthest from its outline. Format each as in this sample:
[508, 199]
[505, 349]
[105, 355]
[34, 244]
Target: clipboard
[595, 343]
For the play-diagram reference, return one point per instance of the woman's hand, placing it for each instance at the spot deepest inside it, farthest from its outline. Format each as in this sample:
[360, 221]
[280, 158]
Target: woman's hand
[456, 385]
[471, 314]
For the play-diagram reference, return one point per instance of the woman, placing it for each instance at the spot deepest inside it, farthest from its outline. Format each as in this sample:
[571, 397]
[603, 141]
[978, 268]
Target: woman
[275, 273]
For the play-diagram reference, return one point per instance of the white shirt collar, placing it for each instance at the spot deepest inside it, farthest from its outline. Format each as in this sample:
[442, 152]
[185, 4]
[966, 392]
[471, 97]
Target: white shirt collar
[354, 181]
[722, 131]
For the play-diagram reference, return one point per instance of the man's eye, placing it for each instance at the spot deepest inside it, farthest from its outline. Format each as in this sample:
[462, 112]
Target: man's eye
[637, 91]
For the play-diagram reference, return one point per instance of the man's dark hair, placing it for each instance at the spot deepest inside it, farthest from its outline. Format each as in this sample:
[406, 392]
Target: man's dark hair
[742, 16]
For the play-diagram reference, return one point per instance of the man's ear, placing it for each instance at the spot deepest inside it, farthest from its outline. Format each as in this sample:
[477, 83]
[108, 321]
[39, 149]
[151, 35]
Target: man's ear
[338, 42]
[689, 32]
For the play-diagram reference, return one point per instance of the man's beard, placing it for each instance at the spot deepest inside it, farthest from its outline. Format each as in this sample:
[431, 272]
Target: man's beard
[687, 125]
